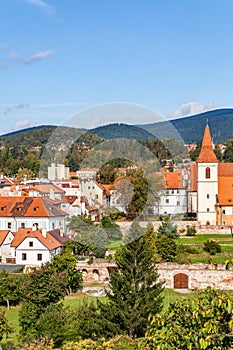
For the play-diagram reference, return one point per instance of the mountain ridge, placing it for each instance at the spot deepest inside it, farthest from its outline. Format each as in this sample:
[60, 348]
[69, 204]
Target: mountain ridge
[190, 128]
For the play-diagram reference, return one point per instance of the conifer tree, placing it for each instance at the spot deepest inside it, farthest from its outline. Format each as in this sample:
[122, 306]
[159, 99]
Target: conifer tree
[167, 228]
[135, 290]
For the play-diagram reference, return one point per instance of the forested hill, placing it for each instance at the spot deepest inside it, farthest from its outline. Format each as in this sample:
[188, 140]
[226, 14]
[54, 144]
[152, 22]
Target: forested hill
[31, 137]
[120, 130]
[191, 128]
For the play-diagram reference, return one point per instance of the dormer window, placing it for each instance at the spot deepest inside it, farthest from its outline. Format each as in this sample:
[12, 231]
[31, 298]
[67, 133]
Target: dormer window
[207, 173]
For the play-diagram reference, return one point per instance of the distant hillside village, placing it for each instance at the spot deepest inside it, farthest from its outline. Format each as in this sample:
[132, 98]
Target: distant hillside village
[34, 213]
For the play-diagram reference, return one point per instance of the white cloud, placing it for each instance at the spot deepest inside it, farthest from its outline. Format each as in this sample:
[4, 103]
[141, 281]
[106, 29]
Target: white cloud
[192, 108]
[23, 124]
[41, 4]
[41, 55]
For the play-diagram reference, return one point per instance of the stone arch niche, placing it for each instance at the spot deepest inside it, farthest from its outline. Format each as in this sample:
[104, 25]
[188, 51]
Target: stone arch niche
[95, 274]
[84, 273]
[181, 281]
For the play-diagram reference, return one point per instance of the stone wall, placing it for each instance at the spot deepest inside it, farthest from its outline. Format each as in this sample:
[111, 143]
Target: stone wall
[197, 275]
[182, 225]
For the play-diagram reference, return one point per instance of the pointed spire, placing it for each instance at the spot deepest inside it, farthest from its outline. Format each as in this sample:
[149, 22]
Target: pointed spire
[207, 154]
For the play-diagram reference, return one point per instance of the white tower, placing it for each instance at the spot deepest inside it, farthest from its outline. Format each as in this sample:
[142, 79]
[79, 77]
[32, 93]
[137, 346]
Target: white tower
[207, 181]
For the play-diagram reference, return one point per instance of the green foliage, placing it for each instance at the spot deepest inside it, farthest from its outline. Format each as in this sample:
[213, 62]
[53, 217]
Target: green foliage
[167, 228]
[166, 248]
[135, 290]
[5, 328]
[65, 262]
[111, 228]
[107, 174]
[228, 153]
[205, 323]
[140, 194]
[52, 323]
[191, 230]
[44, 287]
[10, 287]
[100, 243]
[83, 229]
[212, 247]
[120, 130]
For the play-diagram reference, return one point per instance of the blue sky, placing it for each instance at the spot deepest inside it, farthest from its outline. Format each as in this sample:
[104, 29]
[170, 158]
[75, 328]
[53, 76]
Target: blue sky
[58, 57]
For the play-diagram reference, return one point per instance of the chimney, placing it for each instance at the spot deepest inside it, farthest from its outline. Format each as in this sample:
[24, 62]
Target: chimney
[44, 234]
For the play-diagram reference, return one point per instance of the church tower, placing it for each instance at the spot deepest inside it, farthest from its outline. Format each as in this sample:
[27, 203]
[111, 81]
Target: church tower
[207, 181]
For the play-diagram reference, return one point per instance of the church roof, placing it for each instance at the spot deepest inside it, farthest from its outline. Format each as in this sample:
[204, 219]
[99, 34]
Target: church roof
[225, 190]
[207, 154]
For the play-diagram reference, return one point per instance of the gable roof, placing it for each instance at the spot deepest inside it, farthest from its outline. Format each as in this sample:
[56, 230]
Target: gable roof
[28, 207]
[207, 154]
[3, 234]
[50, 242]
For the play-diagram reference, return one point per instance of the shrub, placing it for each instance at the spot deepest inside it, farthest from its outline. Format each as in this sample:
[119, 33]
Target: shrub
[211, 247]
[166, 248]
[191, 230]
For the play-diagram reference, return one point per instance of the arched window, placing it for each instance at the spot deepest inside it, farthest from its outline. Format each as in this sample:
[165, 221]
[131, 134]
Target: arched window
[207, 173]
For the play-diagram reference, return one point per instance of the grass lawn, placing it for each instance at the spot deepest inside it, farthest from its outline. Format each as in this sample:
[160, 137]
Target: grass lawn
[200, 239]
[13, 317]
[196, 252]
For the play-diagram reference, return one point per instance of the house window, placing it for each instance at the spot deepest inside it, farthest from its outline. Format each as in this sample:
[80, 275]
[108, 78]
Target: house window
[167, 200]
[9, 225]
[23, 224]
[39, 257]
[178, 191]
[30, 244]
[224, 212]
[208, 196]
[172, 191]
[36, 225]
[178, 203]
[96, 196]
[53, 226]
[208, 209]
[207, 173]
[24, 256]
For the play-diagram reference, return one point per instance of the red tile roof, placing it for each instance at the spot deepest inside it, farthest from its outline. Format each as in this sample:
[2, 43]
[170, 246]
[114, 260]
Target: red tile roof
[3, 234]
[193, 177]
[225, 190]
[69, 199]
[225, 169]
[173, 179]
[28, 207]
[50, 242]
[207, 154]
